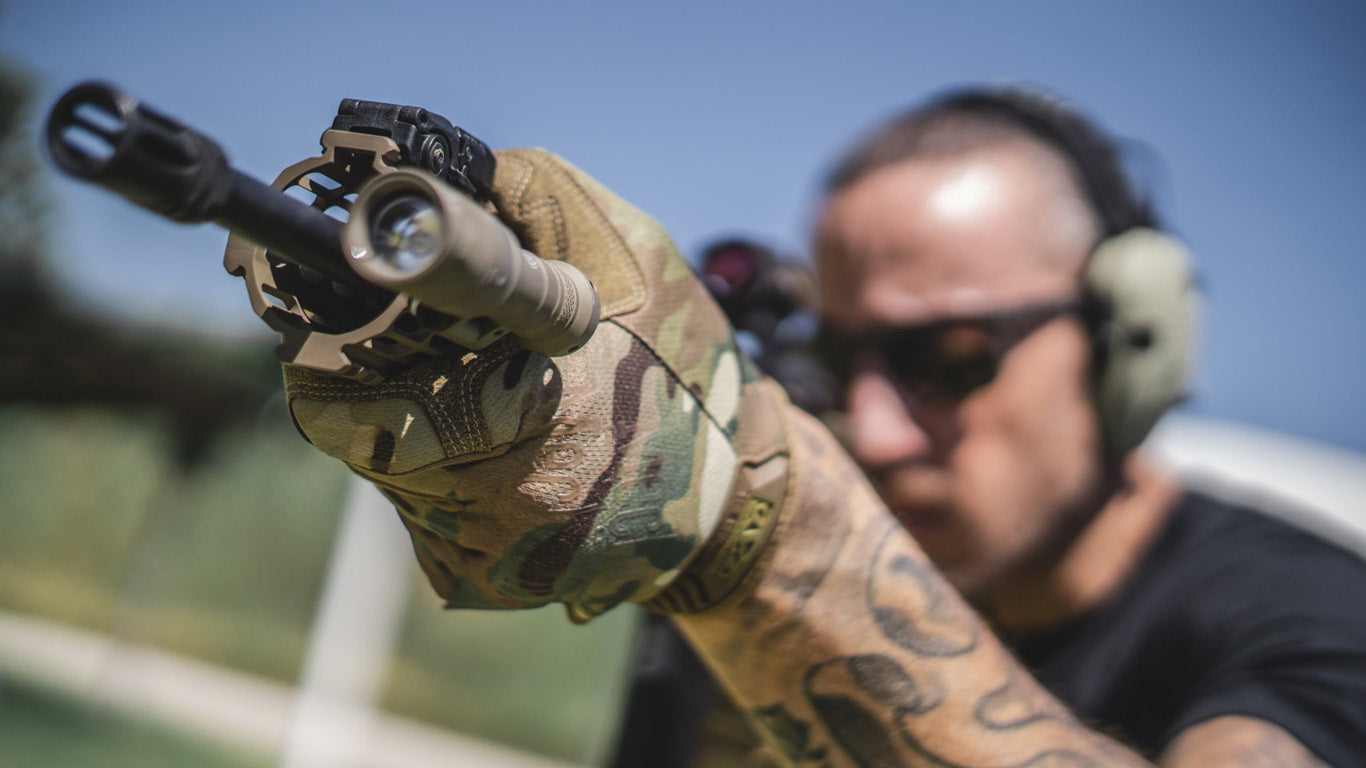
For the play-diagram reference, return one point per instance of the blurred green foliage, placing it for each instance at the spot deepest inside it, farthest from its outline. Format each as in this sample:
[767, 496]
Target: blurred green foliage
[23, 212]
[40, 729]
[100, 527]
[528, 678]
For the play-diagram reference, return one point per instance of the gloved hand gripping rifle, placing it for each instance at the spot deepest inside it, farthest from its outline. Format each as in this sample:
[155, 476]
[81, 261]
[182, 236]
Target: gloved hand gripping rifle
[652, 465]
[378, 254]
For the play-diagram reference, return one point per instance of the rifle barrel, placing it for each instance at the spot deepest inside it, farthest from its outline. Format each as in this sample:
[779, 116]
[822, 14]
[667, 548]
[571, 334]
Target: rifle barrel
[101, 134]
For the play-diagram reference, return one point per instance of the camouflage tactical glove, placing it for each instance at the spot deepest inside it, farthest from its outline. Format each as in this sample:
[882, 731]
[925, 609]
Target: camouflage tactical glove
[648, 466]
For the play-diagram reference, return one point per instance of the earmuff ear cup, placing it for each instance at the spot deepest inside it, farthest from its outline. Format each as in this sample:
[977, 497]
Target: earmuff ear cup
[1143, 284]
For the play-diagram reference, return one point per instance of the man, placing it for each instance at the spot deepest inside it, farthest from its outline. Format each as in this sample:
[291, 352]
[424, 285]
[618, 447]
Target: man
[955, 247]
[980, 205]
[957, 241]
[952, 250]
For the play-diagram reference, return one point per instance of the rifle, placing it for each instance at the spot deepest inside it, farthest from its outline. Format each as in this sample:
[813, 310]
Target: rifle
[377, 254]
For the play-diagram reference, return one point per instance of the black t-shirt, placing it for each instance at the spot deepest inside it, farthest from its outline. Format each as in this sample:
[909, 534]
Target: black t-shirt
[1230, 613]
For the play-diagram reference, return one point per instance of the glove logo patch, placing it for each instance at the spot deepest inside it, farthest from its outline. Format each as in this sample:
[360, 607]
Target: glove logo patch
[637, 525]
[743, 544]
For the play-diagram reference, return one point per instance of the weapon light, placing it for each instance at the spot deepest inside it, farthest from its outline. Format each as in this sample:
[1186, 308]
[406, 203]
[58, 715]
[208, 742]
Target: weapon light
[412, 233]
[406, 233]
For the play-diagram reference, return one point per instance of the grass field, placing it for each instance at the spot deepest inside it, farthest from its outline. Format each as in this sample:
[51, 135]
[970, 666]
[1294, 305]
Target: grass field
[101, 528]
[41, 729]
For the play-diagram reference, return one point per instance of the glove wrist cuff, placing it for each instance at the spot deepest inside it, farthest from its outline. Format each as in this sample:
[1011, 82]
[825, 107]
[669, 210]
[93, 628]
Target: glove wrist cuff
[731, 561]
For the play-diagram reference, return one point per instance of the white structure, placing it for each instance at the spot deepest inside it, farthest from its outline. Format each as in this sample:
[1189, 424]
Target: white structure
[1323, 488]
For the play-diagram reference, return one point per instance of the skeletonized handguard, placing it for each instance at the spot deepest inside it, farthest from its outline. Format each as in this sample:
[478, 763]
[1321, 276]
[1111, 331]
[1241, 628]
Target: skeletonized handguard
[651, 465]
[361, 335]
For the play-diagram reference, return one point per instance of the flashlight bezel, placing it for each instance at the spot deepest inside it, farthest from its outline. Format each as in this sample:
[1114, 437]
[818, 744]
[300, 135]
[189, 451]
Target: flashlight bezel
[424, 212]
[373, 200]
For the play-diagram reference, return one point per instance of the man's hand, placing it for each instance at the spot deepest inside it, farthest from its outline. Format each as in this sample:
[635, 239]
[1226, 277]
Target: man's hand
[589, 479]
[1237, 742]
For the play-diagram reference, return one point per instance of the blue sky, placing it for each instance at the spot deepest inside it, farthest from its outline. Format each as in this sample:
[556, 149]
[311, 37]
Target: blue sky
[719, 118]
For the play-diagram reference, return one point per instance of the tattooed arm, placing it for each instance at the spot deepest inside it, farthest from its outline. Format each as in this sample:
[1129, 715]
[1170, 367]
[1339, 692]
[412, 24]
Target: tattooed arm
[853, 651]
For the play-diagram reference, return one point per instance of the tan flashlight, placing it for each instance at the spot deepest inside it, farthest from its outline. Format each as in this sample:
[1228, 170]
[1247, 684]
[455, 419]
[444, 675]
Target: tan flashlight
[411, 233]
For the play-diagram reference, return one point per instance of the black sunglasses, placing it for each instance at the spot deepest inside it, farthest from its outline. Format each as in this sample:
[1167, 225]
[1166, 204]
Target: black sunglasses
[944, 360]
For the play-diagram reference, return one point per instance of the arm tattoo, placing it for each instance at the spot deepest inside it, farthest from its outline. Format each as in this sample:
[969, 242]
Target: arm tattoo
[941, 627]
[852, 696]
[1012, 705]
[791, 735]
[826, 550]
[852, 650]
[847, 694]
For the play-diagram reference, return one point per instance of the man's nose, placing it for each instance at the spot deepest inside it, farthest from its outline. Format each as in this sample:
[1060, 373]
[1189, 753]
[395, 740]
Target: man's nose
[882, 431]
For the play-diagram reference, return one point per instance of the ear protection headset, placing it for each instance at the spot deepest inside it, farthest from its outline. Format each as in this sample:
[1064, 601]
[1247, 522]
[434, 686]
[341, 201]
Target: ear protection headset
[1139, 284]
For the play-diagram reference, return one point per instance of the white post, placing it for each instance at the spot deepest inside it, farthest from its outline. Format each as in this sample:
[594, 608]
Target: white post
[353, 634]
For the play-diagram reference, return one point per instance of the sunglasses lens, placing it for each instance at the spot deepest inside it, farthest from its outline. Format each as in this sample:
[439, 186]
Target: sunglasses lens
[943, 362]
[960, 378]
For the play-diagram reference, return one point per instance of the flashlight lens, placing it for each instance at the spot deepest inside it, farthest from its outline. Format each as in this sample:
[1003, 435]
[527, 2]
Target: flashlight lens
[406, 233]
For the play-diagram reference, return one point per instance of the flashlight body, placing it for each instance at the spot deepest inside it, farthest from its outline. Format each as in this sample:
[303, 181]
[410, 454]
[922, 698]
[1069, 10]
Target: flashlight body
[477, 268]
